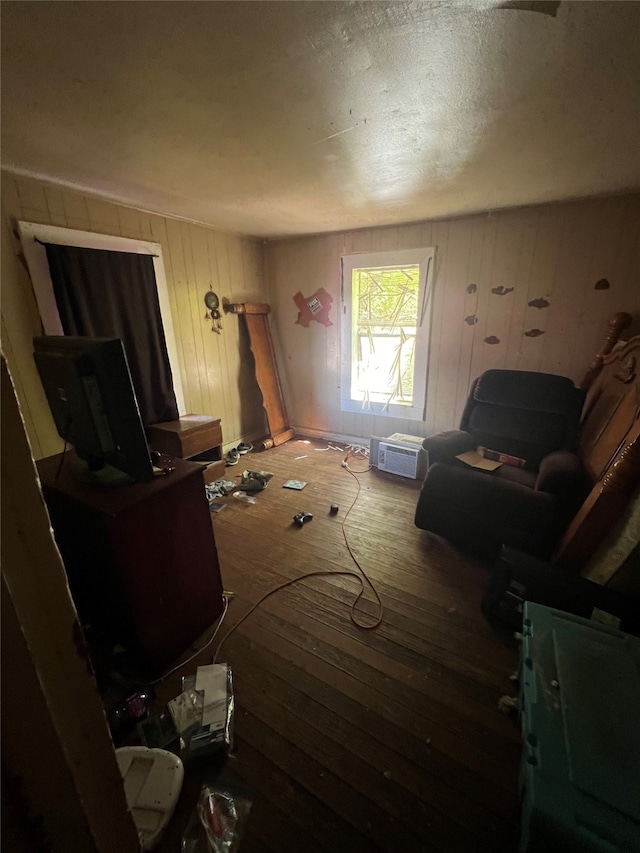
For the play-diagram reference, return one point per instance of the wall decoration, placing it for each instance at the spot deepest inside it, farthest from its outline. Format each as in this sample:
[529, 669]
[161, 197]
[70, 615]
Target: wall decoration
[602, 284]
[492, 340]
[534, 333]
[213, 310]
[540, 302]
[502, 291]
[472, 288]
[471, 320]
[315, 307]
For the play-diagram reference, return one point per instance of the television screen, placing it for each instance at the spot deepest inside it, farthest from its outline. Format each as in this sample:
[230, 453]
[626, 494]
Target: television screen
[89, 390]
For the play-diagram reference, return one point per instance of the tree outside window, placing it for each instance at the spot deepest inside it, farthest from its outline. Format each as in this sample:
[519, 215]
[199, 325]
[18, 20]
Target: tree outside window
[385, 332]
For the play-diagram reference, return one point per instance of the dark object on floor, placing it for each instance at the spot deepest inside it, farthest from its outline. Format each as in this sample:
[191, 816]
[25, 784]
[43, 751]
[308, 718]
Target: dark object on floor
[232, 457]
[255, 481]
[158, 731]
[125, 704]
[333, 509]
[302, 517]
[534, 416]
[518, 577]
[581, 745]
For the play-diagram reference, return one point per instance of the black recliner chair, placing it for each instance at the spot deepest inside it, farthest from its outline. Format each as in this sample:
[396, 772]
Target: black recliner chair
[533, 416]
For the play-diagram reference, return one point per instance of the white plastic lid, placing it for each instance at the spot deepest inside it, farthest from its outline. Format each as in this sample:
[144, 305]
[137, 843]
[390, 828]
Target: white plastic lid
[152, 784]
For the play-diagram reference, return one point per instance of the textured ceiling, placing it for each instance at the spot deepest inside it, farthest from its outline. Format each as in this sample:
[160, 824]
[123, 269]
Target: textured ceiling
[275, 118]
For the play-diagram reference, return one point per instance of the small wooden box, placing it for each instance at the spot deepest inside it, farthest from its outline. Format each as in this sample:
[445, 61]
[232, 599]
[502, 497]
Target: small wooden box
[187, 437]
[194, 437]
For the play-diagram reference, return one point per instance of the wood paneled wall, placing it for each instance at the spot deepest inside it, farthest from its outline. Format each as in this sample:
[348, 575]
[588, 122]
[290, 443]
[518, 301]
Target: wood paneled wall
[526, 289]
[216, 370]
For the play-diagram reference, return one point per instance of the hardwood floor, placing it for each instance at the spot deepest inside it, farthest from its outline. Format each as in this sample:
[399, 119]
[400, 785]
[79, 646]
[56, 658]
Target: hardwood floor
[359, 740]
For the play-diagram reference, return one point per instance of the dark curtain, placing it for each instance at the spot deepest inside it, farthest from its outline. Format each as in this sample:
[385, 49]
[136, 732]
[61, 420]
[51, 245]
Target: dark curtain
[106, 294]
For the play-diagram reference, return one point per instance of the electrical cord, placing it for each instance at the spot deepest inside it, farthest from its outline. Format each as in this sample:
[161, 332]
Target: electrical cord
[362, 577]
[352, 452]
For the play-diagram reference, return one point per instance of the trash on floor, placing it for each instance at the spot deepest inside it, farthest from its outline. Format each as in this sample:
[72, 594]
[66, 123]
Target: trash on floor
[203, 712]
[244, 497]
[125, 703]
[294, 484]
[217, 824]
[219, 489]
[255, 481]
[152, 784]
[158, 731]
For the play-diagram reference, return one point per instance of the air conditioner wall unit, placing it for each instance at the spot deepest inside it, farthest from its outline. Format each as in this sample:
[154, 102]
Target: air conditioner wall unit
[404, 457]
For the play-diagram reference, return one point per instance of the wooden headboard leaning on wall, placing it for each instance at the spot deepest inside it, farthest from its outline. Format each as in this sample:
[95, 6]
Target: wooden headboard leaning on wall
[609, 448]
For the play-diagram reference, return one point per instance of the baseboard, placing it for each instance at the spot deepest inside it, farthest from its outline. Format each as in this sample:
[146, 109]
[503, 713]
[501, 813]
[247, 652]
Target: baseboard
[303, 432]
[322, 435]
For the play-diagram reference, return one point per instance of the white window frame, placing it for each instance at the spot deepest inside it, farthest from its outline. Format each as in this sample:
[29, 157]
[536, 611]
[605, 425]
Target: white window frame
[397, 257]
[36, 258]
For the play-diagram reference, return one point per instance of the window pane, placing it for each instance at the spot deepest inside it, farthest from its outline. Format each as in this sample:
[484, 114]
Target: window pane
[385, 301]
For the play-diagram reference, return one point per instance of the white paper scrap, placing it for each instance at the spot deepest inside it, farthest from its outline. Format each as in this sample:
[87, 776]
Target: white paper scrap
[212, 680]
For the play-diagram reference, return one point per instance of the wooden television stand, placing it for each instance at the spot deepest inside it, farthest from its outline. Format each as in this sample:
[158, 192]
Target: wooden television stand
[141, 559]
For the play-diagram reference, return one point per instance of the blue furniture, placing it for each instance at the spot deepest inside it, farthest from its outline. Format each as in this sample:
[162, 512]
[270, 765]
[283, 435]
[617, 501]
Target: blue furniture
[580, 712]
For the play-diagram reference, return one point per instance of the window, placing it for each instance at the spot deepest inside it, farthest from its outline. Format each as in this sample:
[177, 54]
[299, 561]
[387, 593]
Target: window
[386, 299]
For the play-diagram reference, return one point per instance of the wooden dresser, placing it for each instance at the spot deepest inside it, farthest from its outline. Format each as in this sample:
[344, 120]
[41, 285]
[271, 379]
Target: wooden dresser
[141, 559]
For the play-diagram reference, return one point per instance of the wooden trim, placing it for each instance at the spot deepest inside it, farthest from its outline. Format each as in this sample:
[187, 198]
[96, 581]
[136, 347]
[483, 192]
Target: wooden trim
[67, 720]
[247, 308]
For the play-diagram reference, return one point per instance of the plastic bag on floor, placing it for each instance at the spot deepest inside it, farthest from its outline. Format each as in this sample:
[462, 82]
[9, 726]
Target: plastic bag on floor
[255, 481]
[203, 739]
[217, 824]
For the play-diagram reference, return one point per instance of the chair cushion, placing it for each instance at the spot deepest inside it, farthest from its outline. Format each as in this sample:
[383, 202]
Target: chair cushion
[516, 475]
[478, 512]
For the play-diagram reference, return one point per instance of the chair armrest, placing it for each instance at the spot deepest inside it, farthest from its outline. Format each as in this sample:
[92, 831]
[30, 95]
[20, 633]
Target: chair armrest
[445, 446]
[560, 472]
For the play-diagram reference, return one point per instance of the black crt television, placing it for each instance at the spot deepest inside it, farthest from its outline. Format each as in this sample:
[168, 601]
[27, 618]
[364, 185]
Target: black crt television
[93, 402]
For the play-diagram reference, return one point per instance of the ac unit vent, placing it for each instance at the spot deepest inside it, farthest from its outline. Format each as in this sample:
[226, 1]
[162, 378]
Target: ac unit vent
[404, 458]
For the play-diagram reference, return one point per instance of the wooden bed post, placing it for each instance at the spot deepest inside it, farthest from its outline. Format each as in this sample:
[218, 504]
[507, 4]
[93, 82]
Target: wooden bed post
[255, 316]
[617, 323]
[609, 449]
